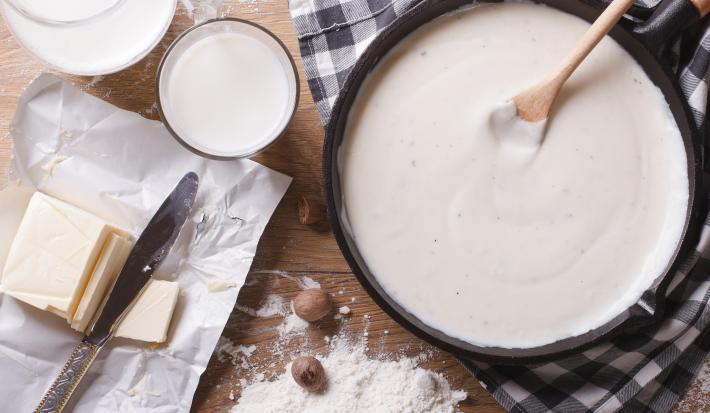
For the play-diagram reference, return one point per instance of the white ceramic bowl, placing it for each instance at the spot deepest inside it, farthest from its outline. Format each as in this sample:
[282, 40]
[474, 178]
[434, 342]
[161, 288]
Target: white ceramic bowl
[105, 43]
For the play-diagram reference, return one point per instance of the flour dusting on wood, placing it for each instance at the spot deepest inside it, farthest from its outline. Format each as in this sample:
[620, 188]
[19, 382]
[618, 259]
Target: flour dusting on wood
[355, 382]
[273, 306]
[361, 375]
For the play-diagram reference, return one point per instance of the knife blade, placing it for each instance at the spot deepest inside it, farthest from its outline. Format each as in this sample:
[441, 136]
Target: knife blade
[148, 253]
[150, 250]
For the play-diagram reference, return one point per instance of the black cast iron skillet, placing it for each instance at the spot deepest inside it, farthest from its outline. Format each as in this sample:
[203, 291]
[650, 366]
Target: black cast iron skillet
[647, 42]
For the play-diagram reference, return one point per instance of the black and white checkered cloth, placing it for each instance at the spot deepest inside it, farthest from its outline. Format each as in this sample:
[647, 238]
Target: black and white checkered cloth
[641, 372]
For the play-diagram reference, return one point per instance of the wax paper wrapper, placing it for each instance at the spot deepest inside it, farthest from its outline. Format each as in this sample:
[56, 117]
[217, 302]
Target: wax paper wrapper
[120, 167]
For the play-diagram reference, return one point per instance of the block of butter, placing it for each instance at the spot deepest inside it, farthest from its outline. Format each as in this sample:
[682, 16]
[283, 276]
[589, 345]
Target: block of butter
[54, 254]
[149, 317]
[105, 271]
[65, 260]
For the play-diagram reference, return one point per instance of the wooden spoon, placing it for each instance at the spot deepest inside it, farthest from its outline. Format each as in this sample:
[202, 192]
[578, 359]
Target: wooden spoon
[533, 104]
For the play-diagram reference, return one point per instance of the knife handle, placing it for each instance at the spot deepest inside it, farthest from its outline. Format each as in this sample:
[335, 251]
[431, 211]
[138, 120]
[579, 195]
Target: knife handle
[64, 385]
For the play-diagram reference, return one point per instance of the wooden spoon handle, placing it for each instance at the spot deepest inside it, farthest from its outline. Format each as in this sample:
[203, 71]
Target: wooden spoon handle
[604, 23]
[533, 104]
[703, 6]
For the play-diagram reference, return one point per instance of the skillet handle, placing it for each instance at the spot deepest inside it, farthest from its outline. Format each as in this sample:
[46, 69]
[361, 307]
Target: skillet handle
[669, 20]
[703, 6]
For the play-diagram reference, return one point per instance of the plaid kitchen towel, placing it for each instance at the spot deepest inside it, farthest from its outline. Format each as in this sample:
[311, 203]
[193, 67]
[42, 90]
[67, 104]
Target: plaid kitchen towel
[641, 372]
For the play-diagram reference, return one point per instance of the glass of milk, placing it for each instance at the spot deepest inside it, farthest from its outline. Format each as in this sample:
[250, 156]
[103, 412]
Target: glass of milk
[227, 89]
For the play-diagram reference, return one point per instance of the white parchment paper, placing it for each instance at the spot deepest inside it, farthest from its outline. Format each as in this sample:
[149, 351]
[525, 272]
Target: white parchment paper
[121, 166]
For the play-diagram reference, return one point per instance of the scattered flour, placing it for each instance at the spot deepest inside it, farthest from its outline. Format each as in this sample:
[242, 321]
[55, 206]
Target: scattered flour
[201, 10]
[291, 326]
[273, 306]
[189, 8]
[308, 282]
[280, 273]
[355, 383]
[239, 354]
[94, 80]
[151, 109]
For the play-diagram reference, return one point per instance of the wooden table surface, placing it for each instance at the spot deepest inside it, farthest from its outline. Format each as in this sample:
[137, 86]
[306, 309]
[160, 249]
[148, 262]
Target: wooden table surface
[288, 250]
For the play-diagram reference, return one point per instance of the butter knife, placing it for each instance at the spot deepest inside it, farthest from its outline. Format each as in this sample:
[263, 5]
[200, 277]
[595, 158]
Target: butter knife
[150, 250]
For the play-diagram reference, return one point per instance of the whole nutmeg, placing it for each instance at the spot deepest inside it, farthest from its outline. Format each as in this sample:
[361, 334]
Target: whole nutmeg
[308, 373]
[312, 304]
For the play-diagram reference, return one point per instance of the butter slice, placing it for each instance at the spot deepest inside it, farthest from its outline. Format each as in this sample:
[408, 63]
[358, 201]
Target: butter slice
[53, 255]
[108, 267]
[149, 318]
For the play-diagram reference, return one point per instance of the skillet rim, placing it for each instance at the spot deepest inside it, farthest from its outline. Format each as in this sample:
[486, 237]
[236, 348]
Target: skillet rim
[632, 319]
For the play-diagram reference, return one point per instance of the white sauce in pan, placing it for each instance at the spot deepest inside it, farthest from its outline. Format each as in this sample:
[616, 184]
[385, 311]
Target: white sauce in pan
[483, 239]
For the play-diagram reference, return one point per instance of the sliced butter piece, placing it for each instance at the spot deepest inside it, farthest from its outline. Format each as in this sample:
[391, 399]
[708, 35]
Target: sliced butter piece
[216, 286]
[105, 272]
[149, 318]
[53, 254]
